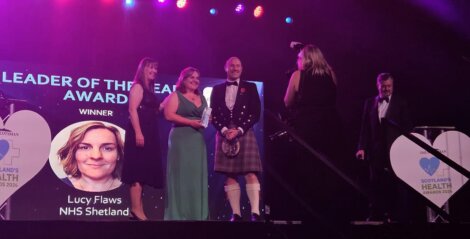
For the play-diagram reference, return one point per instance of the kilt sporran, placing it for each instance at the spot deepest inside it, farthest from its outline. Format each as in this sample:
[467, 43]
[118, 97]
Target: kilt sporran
[231, 148]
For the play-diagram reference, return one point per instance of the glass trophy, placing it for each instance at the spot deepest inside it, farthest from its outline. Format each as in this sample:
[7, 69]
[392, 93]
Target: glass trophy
[205, 116]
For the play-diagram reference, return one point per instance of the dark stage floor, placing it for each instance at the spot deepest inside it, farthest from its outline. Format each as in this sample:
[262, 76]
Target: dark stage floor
[217, 229]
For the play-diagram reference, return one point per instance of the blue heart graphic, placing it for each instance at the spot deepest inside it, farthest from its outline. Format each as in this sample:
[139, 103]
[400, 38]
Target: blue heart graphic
[429, 165]
[4, 146]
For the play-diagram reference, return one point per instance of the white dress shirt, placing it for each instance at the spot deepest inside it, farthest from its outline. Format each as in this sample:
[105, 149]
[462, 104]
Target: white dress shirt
[231, 94]
[230, 98]
[383, 107]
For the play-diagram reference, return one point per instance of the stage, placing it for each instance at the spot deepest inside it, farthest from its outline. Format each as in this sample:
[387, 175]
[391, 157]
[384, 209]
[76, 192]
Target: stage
[218, 229]
[66, 63]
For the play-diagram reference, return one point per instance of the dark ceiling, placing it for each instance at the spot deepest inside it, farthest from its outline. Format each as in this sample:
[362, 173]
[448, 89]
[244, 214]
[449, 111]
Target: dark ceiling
[428, 51]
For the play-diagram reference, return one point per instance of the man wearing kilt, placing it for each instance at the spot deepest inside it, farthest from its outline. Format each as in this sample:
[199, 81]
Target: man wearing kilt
[235, 109]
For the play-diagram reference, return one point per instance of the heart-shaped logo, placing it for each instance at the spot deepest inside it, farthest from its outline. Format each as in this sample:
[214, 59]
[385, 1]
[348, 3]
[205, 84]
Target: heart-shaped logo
[429, 165]
[4, 146]
[425, 173]
[25, 141]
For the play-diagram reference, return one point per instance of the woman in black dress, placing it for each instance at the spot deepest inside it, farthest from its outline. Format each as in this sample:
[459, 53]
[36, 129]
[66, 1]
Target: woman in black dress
[311, 100]
[311, 97]
[142, 164]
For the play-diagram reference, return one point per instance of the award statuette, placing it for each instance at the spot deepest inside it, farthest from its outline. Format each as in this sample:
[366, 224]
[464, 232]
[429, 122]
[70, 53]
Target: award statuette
[205, 116]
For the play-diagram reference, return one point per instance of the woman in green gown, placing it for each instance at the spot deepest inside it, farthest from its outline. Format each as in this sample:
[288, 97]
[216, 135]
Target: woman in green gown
[186, 195]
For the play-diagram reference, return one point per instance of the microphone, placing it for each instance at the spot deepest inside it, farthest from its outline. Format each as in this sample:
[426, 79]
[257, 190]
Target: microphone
[296, 45]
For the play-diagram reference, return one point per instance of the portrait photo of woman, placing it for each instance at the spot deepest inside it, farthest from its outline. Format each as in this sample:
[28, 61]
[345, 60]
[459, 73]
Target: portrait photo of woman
[91, 157]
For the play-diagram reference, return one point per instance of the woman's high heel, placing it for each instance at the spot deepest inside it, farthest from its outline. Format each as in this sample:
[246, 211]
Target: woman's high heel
[134, 217]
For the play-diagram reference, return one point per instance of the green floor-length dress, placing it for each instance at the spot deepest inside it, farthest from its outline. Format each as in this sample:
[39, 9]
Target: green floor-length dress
[187, 196]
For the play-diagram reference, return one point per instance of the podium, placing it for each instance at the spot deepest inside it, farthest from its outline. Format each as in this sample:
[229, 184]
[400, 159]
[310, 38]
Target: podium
[431, 132]
[9, 105]
[5, 208]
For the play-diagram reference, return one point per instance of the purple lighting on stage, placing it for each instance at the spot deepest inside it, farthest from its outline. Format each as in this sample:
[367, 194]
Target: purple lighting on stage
[239, 8]
[62, 1]
[160, 3]
[441, 8]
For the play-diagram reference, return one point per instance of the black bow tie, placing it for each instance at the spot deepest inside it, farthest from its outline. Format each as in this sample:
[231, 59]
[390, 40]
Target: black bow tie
[383, 99]
[229, 83]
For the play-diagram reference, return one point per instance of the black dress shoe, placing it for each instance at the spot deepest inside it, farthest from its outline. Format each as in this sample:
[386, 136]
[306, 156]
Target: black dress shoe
[236, 218]
[255, 217]
[388, 219]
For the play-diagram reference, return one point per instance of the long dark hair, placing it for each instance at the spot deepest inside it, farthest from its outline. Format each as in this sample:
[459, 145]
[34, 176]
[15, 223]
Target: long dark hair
[139, 75]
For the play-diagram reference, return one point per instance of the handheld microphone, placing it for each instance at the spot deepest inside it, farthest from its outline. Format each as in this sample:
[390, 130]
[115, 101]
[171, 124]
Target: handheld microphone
[296, 45]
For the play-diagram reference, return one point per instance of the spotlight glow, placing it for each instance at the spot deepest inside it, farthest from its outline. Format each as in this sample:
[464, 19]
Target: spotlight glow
[213, 11]
[130, 3]
[181, 3]
[160, 3]
[258, 12]
[239, 8]
[289, 20]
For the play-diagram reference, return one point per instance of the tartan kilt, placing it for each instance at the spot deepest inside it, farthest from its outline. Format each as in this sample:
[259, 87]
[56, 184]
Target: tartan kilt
[247, 161]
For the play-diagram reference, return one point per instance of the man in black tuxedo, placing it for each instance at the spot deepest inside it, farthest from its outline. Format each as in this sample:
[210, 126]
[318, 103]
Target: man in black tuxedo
[235, 109]
[375, 140]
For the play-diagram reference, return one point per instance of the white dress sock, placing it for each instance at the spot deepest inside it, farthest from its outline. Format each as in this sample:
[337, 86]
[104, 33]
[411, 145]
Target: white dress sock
[253, 191]
[233, 196]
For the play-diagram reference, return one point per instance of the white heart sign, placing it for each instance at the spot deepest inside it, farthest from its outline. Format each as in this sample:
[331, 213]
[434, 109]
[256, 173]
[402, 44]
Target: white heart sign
[25, 140]
[424, 172]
